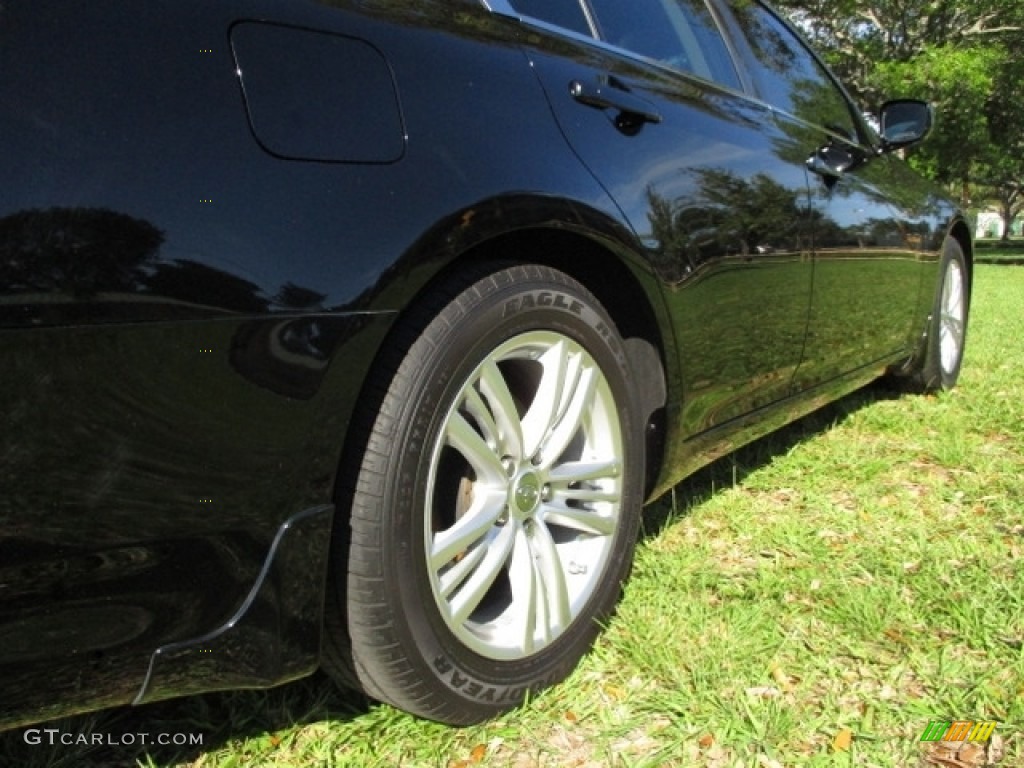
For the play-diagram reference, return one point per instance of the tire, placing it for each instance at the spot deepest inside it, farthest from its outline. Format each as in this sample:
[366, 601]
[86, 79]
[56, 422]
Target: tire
[496, 509]
[938, 366]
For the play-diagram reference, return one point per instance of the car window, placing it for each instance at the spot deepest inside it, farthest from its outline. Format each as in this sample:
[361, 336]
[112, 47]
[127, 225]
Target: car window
[679, 33]
[791, 79]
[567, 14]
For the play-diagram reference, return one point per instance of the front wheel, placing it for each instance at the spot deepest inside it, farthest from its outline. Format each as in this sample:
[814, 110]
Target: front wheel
[938, 366]
[497, 502]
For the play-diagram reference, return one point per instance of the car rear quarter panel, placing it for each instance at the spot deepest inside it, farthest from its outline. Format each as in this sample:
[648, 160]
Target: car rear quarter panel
[186, 318]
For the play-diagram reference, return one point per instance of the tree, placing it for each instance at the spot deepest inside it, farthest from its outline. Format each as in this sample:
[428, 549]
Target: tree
[857, 34]
[1001, 173]
[959, 55]
[959, 82]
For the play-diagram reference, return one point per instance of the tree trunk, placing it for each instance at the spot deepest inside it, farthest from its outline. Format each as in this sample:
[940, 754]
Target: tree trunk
[1010, 202]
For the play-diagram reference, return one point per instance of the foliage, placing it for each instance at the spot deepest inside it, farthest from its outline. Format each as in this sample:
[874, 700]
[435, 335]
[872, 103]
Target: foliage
[858, 34]
[960, 56]
[958, 82]
[1001, 175]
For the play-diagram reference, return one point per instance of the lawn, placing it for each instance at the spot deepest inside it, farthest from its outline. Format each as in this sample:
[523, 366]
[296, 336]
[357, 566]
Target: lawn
[814, 600]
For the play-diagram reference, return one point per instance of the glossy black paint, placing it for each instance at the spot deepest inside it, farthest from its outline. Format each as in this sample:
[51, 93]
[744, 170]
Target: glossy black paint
[300, 110]
[716, 212]
[197, 272]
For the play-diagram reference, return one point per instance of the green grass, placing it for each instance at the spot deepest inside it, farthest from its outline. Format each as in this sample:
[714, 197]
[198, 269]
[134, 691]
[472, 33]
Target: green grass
[861, 571]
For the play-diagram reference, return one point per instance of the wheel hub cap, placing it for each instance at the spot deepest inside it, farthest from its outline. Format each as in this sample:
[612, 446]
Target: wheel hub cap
[527, 494]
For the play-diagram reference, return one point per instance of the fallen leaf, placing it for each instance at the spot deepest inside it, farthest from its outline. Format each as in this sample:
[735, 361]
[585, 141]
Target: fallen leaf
[972, 754]
[945, 754]
[780, 677]
[895, 635]
[706, 741]
[635, 743]
[995, 750]
[764, 692]
[478, 753]
[843, 740]
[571, 717]
[614, 691]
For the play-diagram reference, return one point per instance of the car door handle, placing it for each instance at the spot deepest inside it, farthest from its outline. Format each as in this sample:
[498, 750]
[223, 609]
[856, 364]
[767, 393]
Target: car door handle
[610, 93]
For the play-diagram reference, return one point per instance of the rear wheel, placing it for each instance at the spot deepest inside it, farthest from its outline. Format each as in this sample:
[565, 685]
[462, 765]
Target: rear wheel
[497, 501]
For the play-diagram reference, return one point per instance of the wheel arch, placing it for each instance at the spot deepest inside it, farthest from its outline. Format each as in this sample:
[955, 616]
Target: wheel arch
[619, 282]
[590, 248]
[960, 232]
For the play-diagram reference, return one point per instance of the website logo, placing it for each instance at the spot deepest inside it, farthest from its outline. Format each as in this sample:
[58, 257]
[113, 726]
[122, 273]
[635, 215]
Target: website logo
[959, 730]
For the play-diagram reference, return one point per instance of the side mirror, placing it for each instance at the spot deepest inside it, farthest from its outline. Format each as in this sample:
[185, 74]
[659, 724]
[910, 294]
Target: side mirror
[904, 122]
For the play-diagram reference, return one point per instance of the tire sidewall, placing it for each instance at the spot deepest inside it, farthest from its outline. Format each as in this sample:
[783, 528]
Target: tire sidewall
[479, 320]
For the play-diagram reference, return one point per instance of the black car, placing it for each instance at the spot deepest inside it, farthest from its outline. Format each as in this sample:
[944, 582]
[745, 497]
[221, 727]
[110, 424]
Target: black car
[356, 333]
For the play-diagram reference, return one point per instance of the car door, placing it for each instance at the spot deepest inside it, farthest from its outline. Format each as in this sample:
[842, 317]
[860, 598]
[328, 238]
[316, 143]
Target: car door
[649, 97]
[866, 268]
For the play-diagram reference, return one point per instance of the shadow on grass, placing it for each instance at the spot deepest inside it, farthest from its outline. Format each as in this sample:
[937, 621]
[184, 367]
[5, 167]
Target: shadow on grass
[731, 470]
[113, 738]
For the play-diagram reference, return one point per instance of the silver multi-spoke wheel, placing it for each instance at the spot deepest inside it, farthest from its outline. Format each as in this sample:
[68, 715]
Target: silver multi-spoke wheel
[497, 502]
[952, 316]
[524, 495]
[935, 365]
